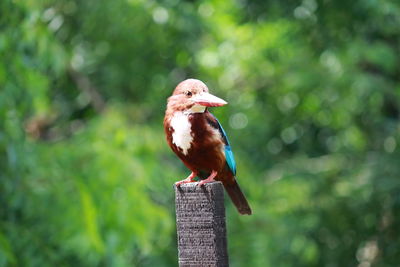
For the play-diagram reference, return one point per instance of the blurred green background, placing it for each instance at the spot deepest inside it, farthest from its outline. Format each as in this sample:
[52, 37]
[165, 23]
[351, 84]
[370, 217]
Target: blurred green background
[314, 90]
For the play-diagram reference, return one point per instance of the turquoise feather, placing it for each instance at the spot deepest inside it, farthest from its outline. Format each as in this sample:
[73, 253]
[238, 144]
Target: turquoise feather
[230, 159]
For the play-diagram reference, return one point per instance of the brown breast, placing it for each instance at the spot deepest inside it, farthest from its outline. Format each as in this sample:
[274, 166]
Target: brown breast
[206, 152]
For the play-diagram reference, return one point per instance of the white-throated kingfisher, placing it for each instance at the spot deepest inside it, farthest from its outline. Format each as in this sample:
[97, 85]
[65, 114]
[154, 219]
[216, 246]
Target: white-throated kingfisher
[199, 140]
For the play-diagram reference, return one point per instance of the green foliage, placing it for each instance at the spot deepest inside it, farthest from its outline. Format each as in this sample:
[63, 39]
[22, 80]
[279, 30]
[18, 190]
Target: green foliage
[313, 117]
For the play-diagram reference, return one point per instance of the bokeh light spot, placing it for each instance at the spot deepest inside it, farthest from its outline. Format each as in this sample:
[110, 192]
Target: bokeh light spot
[206, 10]
[390, 144]
[274, 146]
[289, 135]
[160, 15]
[238, 121]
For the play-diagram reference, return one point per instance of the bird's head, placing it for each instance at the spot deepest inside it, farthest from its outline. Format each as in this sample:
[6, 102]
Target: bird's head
[192, 96]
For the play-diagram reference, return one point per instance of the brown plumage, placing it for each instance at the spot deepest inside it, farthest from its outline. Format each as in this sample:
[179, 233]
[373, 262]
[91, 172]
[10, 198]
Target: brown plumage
[198, 139]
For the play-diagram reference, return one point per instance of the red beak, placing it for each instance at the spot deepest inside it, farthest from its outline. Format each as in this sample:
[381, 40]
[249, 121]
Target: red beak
[208, 100]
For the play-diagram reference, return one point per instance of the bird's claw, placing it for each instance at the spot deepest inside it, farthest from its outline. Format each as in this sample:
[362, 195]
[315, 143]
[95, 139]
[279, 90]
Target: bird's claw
[189, 179]
[210, 179]
[183, 182]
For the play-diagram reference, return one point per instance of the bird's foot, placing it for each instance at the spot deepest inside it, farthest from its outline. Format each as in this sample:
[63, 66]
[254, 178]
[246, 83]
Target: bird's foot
[210, 178]
[189, 179]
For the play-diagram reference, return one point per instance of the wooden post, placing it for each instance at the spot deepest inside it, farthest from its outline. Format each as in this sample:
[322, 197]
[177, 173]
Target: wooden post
[200, 222]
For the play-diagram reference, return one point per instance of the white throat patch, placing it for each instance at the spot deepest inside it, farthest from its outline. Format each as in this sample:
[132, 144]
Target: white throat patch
[182, 135]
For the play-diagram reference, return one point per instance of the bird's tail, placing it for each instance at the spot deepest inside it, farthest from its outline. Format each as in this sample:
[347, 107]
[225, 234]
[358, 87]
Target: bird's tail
[237, 197]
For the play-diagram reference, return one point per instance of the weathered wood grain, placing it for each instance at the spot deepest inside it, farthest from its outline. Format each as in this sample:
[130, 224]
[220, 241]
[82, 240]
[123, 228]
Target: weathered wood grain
[200, 221]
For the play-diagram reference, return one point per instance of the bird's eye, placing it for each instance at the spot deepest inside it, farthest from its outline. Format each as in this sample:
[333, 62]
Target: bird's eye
[188, 93]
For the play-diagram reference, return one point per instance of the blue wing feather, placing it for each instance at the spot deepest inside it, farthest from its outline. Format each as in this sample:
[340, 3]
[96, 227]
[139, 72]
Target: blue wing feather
[230, 159]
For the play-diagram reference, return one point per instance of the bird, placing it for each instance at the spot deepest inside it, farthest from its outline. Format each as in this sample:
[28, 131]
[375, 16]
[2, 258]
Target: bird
[198, 139]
